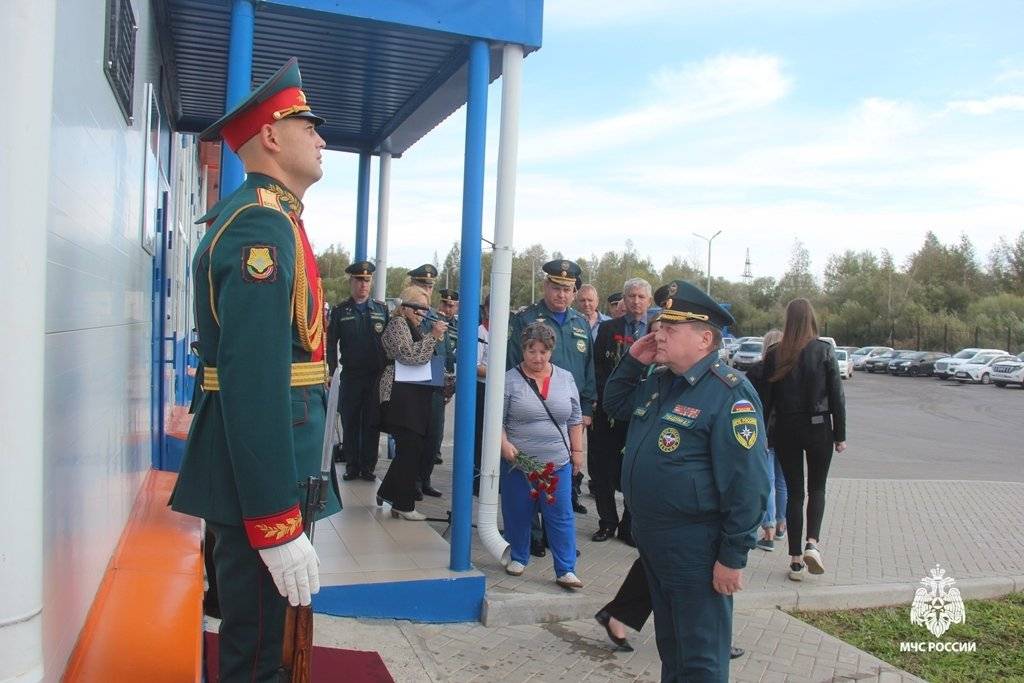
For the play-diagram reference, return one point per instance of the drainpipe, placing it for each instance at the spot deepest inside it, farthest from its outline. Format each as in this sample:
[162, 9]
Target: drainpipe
[380, 277]
[501, 284]
[26, 39]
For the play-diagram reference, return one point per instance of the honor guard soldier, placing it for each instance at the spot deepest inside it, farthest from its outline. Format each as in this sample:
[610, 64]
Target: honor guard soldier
[353, 339]
[257, 434]
[448, 312]
[574, 346]
[424, 278]
[694, 477]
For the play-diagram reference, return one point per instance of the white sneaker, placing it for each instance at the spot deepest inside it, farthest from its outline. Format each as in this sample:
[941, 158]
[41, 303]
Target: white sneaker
[812, 558]
[796, 572]
[569, 580]
[515, 568]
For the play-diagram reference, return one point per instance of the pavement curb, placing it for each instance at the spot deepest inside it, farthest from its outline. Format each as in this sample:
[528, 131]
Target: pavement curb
[510, 609]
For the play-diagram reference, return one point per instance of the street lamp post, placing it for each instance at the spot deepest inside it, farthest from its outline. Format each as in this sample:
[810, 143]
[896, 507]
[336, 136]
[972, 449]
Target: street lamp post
[708, 240]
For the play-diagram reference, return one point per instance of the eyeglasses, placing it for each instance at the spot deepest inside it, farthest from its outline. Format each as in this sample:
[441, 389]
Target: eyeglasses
[419, 308]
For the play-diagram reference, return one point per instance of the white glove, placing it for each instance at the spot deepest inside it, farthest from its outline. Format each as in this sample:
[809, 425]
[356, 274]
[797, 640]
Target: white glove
[295, 569]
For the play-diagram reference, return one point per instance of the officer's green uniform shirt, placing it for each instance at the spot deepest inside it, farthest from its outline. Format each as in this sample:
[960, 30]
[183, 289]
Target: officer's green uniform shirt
[252, 441]
[574, 348]
[695, 450]
[353, 337]
[447, 347]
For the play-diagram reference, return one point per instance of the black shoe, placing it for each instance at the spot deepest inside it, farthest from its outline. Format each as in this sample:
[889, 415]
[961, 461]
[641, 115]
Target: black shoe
[438, 460]
[735, 652]
[429, 490]
[537, 549]
[604, 618]
[339, 455]
[349, 476]
[418, 495]
[368, 476]
[578, 508]
[602, 534]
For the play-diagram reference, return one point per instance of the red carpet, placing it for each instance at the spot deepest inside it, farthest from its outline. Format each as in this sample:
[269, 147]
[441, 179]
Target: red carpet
[329, 664]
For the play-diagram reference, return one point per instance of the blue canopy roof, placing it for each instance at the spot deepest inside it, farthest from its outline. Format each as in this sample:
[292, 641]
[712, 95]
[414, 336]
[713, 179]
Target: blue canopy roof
[382, 72]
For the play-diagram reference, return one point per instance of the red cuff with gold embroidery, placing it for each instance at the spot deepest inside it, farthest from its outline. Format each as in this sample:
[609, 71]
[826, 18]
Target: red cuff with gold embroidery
[266, 532]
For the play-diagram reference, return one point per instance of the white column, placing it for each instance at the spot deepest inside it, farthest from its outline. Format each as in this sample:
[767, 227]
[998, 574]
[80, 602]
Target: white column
[26, 39]
[380, 279]
[501, 285]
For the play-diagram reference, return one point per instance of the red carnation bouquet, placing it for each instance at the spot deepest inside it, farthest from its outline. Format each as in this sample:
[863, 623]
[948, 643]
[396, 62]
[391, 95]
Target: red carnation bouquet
[542, 478]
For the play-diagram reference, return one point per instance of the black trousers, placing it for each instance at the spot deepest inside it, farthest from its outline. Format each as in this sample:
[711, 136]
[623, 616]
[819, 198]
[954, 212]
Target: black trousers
[435, 437]
[357, 405]
[797, 438]
[478, 436]
[632, 604]
[604, 462]
[399, 485]
[252, 611]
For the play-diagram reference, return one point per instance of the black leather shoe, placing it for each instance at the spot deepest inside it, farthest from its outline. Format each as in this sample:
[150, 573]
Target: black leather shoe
[537, 549]
[368, 476]
[339, 455]
[602, 534]
[349, 476]
[429, 490]
[604, 618]
[735, 652]
[578, 508]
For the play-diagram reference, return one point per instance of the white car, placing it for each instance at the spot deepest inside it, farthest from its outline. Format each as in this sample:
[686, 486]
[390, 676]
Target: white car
[1009, 372]
[830, 340]
[735, 345]
[845, 364]
[747, 355]
[863, 353]
[723, 350]
[979, 368]
[947, 367]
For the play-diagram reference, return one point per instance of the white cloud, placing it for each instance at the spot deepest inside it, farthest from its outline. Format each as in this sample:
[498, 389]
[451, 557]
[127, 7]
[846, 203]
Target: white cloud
[990, 105]
[714, 88]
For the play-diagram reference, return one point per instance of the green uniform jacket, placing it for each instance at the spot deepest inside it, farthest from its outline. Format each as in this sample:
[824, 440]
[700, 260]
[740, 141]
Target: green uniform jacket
[695, 450]
[353, 337]
[574, 348]
[252, 441]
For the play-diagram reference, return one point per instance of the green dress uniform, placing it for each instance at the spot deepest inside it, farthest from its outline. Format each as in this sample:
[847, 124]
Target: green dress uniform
[353, 339]
[259, 423]
[694, 477]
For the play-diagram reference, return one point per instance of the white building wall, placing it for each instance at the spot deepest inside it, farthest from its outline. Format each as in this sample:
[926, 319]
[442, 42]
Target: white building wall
[98, 320]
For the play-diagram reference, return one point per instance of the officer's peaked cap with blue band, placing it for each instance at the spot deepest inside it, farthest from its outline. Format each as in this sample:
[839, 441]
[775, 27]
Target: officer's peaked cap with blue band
[279, 97]
[685, 303]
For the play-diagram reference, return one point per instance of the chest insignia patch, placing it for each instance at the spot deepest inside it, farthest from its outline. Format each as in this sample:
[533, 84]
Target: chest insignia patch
[378, 327]
[259, 263]
[669, 439]
[743, 406]
[744, 428]
[686, 411]
[581, 346]
[678, 420]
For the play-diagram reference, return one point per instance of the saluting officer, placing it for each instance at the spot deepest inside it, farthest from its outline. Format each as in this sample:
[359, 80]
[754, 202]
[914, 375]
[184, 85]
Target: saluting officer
[353, 338]
[694, 477]
[447, 311]
[259, 424]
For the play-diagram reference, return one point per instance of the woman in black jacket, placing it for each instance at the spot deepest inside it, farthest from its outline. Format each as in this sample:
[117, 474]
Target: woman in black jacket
[805, 394]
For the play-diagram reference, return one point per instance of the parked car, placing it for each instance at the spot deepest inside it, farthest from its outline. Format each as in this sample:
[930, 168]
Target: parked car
[881, 363]
[863, 353]
[1009, 372]
[947, 368]
[920, 364]
[734, 347]
[979, 369]
[845, 364]
[747, 355]
[849, 349]
[830, 340]
[723, 350]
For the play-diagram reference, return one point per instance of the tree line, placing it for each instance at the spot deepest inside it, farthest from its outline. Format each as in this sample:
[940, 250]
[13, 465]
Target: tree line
[942, 297]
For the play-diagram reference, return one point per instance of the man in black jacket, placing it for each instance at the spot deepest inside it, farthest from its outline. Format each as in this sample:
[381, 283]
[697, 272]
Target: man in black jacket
[608, 436]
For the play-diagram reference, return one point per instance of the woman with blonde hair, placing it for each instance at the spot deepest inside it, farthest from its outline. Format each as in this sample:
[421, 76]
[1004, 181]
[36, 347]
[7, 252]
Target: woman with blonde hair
[406, 406]
[804, 396]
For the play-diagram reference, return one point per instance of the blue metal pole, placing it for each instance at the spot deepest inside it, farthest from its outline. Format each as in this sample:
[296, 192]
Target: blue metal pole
[243, 22]
[362, 206]
[469, 306]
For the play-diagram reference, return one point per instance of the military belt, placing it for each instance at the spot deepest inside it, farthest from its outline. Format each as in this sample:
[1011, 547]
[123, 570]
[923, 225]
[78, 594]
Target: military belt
[303, 375]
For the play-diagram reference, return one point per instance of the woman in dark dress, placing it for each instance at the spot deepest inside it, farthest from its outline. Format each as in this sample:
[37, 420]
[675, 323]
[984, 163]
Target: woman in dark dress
[405, 406]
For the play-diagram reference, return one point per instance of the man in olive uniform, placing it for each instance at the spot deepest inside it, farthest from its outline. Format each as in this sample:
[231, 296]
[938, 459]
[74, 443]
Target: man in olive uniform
[446, 311]
[353, 338]
[258, 429]
[694, 477]
[424, 277]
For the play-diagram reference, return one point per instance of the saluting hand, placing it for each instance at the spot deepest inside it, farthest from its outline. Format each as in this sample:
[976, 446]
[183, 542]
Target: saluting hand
[726, 580]
[644, 349]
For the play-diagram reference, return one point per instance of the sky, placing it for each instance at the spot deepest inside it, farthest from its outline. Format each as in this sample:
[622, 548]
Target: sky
[844, 124]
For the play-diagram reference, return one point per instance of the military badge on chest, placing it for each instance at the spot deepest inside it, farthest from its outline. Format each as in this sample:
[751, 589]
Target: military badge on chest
[669, 440]
[259, 263]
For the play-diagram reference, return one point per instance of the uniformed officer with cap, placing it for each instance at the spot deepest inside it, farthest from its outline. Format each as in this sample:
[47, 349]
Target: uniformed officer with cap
[424, 276]
[353, 339]
[447, 311]
[574, 346]
[694, 477]
[259, 424]
[615, 307]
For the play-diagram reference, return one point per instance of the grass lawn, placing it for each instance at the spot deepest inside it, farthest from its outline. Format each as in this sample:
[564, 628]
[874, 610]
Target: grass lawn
[997, 626]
